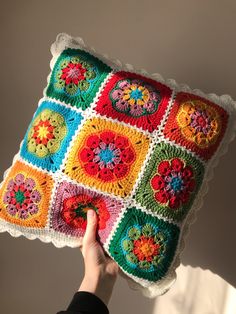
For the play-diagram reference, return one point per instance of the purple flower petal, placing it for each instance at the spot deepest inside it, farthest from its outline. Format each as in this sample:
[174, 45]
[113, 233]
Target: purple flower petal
[116, 94]
[122, 105]
[11, 210]
[149, 106]
[7, 198]
[10, 185]
[19, 179]
[29, 184]
[33, 209]
[110, 165]
[136, 110]
[23, 214]
[35, 196]
[123, 84]
[155, 96]
[103, 145]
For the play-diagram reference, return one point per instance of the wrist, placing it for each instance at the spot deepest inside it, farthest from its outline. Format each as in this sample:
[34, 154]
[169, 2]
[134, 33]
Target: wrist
[99, 284]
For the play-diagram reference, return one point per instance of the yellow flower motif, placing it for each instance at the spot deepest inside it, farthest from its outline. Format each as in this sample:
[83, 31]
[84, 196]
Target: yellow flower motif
[136, 95]
[46, 134]
[199, 122]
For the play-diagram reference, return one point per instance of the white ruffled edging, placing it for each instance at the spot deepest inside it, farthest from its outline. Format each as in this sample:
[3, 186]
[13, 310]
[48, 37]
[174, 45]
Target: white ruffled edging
[160, 287]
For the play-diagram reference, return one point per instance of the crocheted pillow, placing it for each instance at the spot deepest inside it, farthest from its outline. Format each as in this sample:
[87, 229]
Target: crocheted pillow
[137, 149]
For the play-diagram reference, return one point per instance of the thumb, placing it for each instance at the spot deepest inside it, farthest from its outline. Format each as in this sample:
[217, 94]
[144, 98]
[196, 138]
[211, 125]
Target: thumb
[90, 233]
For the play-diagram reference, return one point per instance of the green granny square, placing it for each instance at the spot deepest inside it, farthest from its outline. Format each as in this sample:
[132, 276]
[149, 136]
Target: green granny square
[76, 78]
[170, 182]
[144, 245]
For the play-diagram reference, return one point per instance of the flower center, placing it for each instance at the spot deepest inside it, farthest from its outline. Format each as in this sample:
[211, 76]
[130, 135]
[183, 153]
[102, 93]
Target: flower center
[200, 121]
[19, 196]
[82, 209]
[42, 132]
[145, 248]
[74, 73]
[106, 155]
[176, 183]
[136, 94]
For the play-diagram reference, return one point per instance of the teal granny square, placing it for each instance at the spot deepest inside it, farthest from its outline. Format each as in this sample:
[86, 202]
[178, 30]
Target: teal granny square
[144, 245]
[76, 78]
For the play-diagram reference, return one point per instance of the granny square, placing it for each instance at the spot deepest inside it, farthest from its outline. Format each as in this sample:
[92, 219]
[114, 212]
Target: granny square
[134, 99]
[143, 245]
[71, 203]
[49, 135]
[76, 78]
[25, 196]
[196, 123]
[171, 181]
[107, 155]
[137, 149]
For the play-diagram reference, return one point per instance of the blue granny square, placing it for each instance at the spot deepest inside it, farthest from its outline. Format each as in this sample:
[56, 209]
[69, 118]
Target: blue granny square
[48, 136]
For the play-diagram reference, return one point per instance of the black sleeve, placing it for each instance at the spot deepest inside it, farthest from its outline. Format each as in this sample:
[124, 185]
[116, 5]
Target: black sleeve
[86, 303]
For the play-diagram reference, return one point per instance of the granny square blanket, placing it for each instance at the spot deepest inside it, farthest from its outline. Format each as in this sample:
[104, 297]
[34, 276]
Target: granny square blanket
[137, 149]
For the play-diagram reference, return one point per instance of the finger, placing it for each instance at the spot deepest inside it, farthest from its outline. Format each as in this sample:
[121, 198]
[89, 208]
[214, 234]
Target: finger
[90, 232]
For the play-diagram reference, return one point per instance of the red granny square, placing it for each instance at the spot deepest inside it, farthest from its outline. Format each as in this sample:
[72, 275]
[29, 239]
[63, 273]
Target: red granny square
[134, 99]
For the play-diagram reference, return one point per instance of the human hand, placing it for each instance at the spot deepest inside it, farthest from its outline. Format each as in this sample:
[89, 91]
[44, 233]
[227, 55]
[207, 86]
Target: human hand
[100, 270]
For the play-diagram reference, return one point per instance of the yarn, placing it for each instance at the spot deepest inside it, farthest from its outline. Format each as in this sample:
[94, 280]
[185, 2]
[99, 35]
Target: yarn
[25, 196]
[107, 155]
[76, 77]
[196, 124]
[135, 148]
[49, 135]
[144, 245]
[171, 181]
[134, 99]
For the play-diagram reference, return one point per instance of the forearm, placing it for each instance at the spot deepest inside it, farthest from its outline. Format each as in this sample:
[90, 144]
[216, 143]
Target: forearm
[101, 285]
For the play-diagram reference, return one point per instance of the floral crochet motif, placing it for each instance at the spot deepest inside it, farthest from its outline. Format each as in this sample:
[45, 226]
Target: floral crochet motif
[143, 246]
[199, 123]
[136, 148]
[173, 183]
[47, 133]
[75, 208]
[107, 155]
[76, 78]
[74, 74]
[22, 197]
[71, 203]
[170, 182]
[196, 124]
[25, 196]
[135, 98]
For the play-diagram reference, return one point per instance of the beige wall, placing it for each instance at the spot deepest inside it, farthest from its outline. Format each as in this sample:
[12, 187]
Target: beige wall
[190, 41]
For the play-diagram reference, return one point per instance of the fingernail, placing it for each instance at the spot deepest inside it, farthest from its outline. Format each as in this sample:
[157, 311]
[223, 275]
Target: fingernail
[90, 213]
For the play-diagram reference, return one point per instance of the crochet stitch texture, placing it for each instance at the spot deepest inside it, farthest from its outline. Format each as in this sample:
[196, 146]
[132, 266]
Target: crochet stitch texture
[137, 149]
